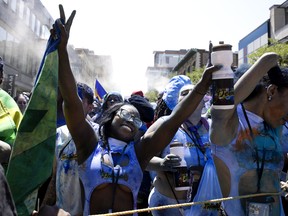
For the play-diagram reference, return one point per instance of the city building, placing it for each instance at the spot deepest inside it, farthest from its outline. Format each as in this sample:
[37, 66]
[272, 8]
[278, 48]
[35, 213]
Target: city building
[169, 62]
[24, 31]
[164, 62]
[194, 59]
[276, 27]
[87, 67]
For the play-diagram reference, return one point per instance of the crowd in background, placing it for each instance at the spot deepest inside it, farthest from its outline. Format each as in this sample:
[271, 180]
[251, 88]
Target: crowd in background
[123, 153]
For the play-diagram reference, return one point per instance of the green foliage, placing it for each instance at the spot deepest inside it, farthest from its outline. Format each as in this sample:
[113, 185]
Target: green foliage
[152, 95]
[172, 74]
[275, 46]
[195, 75]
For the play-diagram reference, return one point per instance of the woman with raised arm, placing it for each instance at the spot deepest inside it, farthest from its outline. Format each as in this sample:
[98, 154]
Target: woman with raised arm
[245, 140]
[192, 141]
[110, 167]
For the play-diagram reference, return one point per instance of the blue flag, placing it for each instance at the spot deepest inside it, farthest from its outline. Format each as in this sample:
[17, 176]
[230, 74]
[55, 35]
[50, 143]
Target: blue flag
[99, 90]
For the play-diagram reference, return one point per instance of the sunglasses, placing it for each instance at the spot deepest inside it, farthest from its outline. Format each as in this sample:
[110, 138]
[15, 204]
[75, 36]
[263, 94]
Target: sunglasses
[127, 116]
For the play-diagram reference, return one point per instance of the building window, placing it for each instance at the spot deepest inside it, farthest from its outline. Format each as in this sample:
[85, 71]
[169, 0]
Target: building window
[250, 48]
[264, 40]
[45, 33]
[2, 41]
[157, 61]
[38, 28]
[2, 35]
[167, 59]
[257, 43]
[27, 18]
[33, 20]
[21, 9]
[9, 49]
[160, 61]
[21, 58]
[13, 5]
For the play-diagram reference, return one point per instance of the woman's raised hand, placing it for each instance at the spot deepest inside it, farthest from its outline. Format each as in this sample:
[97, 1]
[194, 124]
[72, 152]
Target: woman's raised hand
[65, 26]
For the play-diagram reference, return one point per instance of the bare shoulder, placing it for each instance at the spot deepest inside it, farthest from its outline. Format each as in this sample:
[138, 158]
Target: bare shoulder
[156, 124]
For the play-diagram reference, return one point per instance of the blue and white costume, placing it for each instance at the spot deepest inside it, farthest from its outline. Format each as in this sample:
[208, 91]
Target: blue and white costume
[239, 156]
[93, 172]
[68, 191]
[193, 157]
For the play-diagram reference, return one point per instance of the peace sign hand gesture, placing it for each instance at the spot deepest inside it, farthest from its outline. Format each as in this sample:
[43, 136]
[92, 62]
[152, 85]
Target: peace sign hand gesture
[64, 26]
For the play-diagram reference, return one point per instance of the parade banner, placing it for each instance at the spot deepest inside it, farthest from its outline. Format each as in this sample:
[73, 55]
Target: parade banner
[32, 154]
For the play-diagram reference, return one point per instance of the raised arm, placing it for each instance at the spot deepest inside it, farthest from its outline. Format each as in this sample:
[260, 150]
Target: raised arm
[225, 123]
[246, 84]
[160, 133]
[81, 131]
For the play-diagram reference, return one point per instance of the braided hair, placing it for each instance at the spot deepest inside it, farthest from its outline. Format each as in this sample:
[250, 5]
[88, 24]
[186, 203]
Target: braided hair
[161, 109]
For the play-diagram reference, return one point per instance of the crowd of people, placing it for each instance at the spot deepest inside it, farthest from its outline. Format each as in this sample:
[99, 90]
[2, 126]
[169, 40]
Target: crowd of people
[130, 155]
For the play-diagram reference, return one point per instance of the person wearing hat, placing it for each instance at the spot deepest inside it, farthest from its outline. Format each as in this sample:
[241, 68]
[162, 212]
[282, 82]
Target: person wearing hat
[168, 98]
[10, 119]
[146, 112]
[109, 99]
[111, 165]
[193, 134]
[140, 93]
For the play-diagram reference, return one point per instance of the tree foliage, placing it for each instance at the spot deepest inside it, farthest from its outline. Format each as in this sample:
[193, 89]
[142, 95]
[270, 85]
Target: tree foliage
[274, 46]
[152, 95]
[195, 75]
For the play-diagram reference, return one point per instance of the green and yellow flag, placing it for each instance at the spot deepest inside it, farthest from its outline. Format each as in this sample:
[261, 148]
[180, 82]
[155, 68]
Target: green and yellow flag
[32, 155]
[10, 117]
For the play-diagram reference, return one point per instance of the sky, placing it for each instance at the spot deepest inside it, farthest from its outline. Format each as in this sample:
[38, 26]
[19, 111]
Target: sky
[131, 30]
